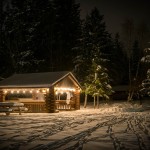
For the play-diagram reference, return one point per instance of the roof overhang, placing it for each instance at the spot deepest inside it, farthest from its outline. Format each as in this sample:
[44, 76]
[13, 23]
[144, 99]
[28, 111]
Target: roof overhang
[69, 74]
[26, 86]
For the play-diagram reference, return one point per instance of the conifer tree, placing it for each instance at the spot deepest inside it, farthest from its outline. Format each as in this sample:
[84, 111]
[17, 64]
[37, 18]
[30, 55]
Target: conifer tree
[145, 87]
[67, 32]
[97, 84]
[40, 35]
[95, 43]
[118, 61]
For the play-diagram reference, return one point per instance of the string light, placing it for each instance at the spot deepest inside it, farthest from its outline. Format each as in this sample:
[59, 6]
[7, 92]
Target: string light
[5, 91]
[60, 90]
[12, 92]
[43, 91]
[64, 89]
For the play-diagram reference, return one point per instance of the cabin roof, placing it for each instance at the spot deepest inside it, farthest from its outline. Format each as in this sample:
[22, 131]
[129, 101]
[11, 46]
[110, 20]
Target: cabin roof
[44, 79]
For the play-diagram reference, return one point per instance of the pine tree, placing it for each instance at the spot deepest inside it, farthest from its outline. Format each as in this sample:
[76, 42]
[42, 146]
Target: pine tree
[145, 86]
[67, 32]
[44, 40]
[134, 40]
[19, 26]
[5, 65]
[97, 84]
[118, 61]
[95, 43]
[41, 35]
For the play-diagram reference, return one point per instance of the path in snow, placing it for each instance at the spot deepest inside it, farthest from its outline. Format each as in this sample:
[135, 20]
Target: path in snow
[83, 129]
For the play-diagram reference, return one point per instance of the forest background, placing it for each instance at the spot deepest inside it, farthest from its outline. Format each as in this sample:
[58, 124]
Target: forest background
[49, 35]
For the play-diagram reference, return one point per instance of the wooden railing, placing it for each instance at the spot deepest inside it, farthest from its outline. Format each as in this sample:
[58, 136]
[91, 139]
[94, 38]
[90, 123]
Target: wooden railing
[62, 105]
[35, 107]
[40, 106]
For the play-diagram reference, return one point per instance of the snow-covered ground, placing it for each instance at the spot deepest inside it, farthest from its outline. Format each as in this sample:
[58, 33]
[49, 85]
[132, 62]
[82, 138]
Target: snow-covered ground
[116, 126]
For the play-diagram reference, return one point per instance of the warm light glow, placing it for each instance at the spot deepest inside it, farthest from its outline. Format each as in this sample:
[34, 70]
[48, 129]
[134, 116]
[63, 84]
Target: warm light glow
[5, 91]
[64, 89]
[43, 91]
[56, 92]
[29, 90]
[73, 90]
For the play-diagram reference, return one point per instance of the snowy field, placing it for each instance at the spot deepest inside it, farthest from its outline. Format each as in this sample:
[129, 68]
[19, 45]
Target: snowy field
[119, 127]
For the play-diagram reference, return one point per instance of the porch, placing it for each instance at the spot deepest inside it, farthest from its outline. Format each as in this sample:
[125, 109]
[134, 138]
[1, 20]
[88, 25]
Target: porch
[39, 106]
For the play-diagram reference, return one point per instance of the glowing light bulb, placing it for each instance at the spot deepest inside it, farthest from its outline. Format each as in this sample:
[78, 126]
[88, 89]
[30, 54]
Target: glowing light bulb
[43, 91]
[5, 91]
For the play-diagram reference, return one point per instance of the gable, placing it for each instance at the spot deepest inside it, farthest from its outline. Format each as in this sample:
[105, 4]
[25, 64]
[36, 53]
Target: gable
[67, 82]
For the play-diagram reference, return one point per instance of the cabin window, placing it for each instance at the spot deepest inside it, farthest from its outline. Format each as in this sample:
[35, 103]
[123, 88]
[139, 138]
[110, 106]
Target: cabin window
[15, 96]
[64, 95]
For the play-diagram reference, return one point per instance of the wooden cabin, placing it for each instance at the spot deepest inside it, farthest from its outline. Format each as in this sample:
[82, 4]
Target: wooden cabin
[42, 92]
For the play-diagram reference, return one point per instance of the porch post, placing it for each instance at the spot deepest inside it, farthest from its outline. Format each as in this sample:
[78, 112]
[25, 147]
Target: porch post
[2, 96]
[50, 102]
[77, 99]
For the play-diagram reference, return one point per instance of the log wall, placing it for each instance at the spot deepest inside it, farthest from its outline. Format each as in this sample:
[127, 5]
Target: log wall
[2, 96]
[50, 101]
[77, 99]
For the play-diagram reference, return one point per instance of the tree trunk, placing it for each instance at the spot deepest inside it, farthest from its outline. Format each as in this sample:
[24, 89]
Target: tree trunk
[94, 102]
[97, 101]
[131, 92]
[130, 83]
[128, 33]
[85, 101]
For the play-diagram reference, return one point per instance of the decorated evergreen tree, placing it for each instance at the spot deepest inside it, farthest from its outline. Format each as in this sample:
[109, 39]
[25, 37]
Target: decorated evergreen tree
[97, 84]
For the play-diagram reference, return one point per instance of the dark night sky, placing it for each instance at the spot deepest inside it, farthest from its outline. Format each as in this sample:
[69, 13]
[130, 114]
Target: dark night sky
[116, 11]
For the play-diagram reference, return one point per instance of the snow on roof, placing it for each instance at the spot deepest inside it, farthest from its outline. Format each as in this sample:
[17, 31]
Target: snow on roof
[45, 79]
